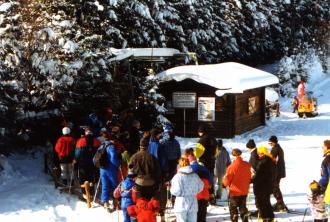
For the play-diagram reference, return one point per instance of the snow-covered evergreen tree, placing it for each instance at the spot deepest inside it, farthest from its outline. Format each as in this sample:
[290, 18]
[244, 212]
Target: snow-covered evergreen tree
[56, 54]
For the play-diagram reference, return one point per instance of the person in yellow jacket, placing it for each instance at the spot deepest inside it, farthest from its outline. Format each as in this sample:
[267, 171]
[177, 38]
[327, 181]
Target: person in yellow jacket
[206, 151]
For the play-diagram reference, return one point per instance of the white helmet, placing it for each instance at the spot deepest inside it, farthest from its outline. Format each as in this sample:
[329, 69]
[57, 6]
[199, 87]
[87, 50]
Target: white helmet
[66, 131]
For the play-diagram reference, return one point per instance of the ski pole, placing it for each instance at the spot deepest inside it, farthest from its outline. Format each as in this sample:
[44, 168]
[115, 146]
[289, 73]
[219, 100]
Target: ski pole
[121, 173]
[304, 214]
[97, 189]
[71, 178]
[117, 215]
[168, 202]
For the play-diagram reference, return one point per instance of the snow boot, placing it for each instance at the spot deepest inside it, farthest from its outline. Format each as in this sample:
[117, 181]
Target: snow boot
[253, 213]
[212, 200]
[280, 207]
[107, 207]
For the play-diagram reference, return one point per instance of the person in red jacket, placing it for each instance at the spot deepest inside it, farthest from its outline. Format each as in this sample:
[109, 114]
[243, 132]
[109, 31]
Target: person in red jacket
[144, 210]
[203, 199]
[237, 178]
[65, 150]
[301, 89]
[85, 150]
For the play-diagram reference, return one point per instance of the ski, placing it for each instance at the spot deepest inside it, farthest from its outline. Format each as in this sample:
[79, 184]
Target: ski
[295, 212]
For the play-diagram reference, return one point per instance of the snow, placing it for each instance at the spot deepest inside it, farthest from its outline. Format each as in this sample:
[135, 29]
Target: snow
[270, 94]
[227, 77]
[70, 46]
[28, 194]
[99, 7]
[3, 30]
[121, 54]
[4, 7]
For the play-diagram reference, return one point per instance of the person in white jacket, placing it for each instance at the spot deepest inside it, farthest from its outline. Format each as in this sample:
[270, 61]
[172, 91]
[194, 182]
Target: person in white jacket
[185, 185]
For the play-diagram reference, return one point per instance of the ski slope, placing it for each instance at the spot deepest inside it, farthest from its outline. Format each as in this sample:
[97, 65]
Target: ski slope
[28, 195]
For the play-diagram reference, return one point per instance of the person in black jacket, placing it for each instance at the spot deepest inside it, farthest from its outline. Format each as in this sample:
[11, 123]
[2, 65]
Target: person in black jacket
[207, 148]
[263, 184]
[206, 152]
[134, 136]
[278, 155]
[254, 158]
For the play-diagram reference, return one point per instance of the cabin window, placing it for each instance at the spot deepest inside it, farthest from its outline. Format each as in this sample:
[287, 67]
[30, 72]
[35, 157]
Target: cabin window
[254, 103]
[220, 104]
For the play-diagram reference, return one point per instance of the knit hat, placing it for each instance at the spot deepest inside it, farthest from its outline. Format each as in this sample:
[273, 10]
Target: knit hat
[115, 129]
[263, 150]
[168, 129]
[314, 185]
[236, 152]
[104, 130]
[66, 131]
[273, 139]
[251, 144]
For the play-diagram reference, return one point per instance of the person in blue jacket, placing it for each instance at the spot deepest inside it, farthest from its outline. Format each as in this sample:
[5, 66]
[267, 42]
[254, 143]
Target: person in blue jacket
[201, 170]
[156, 149]
[126, 188]
[325, 166]
[108, 174]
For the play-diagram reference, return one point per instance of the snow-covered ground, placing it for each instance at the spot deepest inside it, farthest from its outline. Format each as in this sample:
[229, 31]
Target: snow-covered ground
[27, 194]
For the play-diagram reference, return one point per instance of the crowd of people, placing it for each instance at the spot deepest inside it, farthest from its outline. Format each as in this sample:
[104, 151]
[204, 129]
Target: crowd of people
[145, 170]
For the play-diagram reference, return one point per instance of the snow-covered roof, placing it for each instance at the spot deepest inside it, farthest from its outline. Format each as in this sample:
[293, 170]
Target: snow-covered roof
[147, 53]
[229, 77]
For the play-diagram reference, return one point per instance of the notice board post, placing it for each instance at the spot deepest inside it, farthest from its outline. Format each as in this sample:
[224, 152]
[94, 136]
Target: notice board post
[184, 100]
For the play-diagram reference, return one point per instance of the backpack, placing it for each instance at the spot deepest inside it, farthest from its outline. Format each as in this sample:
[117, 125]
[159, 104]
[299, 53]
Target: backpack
[101, 158]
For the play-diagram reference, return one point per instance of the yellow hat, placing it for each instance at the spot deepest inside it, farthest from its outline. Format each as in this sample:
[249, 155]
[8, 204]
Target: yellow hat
[263, 150]
[314, 186]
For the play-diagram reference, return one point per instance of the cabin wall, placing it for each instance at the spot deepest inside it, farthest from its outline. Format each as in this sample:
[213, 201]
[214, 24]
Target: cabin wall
[222, 127]
[250, 110]
[232, 114]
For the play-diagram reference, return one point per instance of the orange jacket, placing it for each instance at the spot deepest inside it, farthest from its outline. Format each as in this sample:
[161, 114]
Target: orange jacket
[238, 177]
[65, 147]
[204, 194]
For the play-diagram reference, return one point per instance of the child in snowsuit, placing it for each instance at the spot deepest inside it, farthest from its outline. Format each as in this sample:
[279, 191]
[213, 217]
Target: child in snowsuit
[124, 192]
[316, 202]
[144, 210]
[185, 186]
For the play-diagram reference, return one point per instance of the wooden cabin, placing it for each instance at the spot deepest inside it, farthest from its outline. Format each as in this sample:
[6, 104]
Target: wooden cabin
[228, 97]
